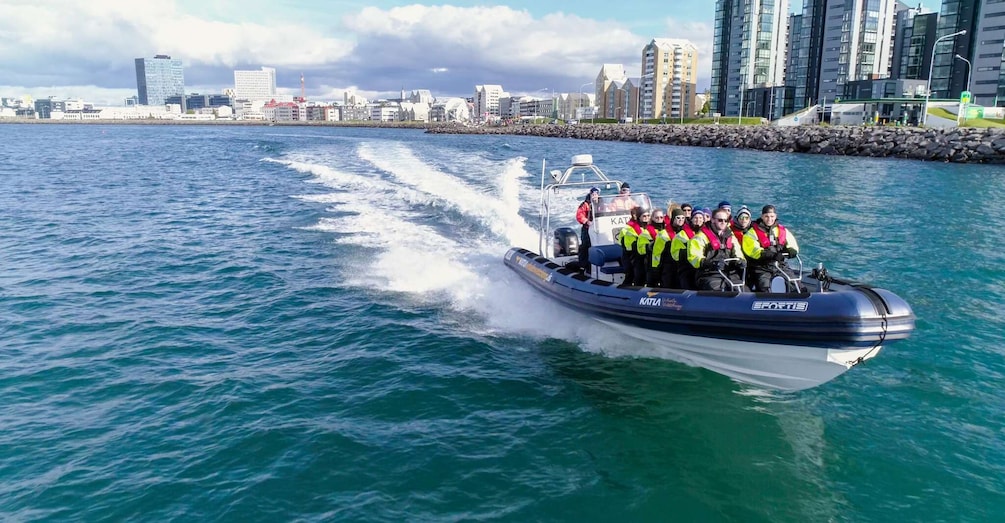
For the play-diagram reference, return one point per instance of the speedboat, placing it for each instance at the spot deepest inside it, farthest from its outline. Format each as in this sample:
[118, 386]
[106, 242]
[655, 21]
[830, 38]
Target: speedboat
[778, 340]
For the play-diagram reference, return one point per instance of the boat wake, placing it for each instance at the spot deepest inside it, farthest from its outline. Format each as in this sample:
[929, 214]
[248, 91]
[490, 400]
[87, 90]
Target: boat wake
[410, 225]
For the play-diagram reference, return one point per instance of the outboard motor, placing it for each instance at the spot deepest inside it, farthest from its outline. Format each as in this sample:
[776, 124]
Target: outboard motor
[566, 242]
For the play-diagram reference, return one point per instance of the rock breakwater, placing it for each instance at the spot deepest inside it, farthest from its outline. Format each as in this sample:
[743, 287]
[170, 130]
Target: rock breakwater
[959, 145]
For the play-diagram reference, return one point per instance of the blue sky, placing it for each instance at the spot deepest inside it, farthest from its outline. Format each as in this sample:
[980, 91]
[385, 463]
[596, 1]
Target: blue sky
[69, 48]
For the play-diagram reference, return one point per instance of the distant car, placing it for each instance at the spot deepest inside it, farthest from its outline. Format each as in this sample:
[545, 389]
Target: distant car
[572, 122]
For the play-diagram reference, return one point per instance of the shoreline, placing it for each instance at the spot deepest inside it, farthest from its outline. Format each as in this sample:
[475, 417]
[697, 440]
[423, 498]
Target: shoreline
[244, 123]
[956, 145]
[953, 145]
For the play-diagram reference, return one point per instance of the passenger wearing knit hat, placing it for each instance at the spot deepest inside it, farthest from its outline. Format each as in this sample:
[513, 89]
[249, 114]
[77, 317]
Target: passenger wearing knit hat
[741, 224]
[725, 205]
[707, 212]
[676, 220]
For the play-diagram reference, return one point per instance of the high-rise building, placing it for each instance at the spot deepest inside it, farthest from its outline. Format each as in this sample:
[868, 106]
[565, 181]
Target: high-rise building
[806, 74]
[857, 42]
[159, 78]
[793, 48]
[949, 74]
[914, 35]
[255, 85]
[607, 105]
[987, 55]
[841, 42]
[669, 79]
[985, 50]
[748, 50]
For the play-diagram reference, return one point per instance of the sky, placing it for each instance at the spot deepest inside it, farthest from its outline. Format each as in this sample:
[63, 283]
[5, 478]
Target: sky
[376, 48]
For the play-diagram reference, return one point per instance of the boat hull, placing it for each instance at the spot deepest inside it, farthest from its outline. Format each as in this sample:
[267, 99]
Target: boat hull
[779, 341]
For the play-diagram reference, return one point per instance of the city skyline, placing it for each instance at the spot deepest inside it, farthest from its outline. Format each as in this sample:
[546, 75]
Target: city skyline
[375, 50]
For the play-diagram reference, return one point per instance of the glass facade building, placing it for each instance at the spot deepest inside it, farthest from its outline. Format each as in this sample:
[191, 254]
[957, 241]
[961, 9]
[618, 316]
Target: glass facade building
[158, 79]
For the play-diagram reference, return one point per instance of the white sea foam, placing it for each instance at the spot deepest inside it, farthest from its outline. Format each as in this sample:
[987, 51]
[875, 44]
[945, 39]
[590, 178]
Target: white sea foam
[461, 267]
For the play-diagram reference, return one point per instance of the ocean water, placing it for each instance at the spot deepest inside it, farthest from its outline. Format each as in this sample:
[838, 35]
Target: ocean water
[274, 324]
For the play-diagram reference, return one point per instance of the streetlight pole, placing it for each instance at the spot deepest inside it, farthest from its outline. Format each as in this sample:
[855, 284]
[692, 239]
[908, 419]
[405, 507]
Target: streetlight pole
[931, 68]
[962, 109]
[739, 113]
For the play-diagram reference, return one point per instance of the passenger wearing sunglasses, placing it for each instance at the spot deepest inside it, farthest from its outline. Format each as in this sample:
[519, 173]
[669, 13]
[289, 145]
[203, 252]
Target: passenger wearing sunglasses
[741, 224]
[678, 250]
[708, 251]
[663, 264]
[767, 244]
[643, 245]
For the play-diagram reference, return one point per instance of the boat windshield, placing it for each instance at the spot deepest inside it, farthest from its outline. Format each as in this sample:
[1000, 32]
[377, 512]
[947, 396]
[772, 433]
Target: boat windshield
[621, 204]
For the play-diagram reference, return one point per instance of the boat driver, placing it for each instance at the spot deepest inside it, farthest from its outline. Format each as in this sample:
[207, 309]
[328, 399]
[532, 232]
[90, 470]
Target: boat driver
[623, 201]
[767, 244]
[584, 215]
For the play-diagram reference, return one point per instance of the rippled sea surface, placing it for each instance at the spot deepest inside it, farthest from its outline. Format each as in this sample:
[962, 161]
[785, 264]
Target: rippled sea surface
[271, 324]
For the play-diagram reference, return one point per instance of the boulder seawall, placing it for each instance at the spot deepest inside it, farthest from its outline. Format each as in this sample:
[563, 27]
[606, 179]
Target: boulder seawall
[958, 145]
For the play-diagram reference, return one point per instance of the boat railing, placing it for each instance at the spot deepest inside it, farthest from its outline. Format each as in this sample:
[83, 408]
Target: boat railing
[733, 286]
[791, 282]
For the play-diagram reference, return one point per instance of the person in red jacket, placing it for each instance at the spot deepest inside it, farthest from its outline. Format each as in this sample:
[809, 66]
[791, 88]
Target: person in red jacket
[584, 215]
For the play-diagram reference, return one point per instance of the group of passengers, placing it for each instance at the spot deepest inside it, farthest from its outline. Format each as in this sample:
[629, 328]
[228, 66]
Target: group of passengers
[699, 249]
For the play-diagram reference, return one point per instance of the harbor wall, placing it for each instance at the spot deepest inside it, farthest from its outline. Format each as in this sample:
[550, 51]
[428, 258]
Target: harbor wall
[959, 145]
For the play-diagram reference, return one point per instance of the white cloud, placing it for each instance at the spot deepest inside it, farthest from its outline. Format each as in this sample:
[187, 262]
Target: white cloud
[701, 35]
[111, 33]
[446, 49]
[496, 40]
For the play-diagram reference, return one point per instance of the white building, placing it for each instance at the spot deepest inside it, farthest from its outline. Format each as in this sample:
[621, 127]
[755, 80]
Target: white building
[255, 85]
[487, 102]
[421, 96]
[413, 112]
[450, 110]
[383, 112]
[572, 106]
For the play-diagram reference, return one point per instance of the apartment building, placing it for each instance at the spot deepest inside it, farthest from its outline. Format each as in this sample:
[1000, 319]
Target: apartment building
[748, 50]
[669, 79]
[487, 102]
[255, 85]
[606, 103]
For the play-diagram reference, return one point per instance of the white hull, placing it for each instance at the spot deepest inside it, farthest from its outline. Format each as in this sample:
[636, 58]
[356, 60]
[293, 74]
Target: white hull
[785, 367]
